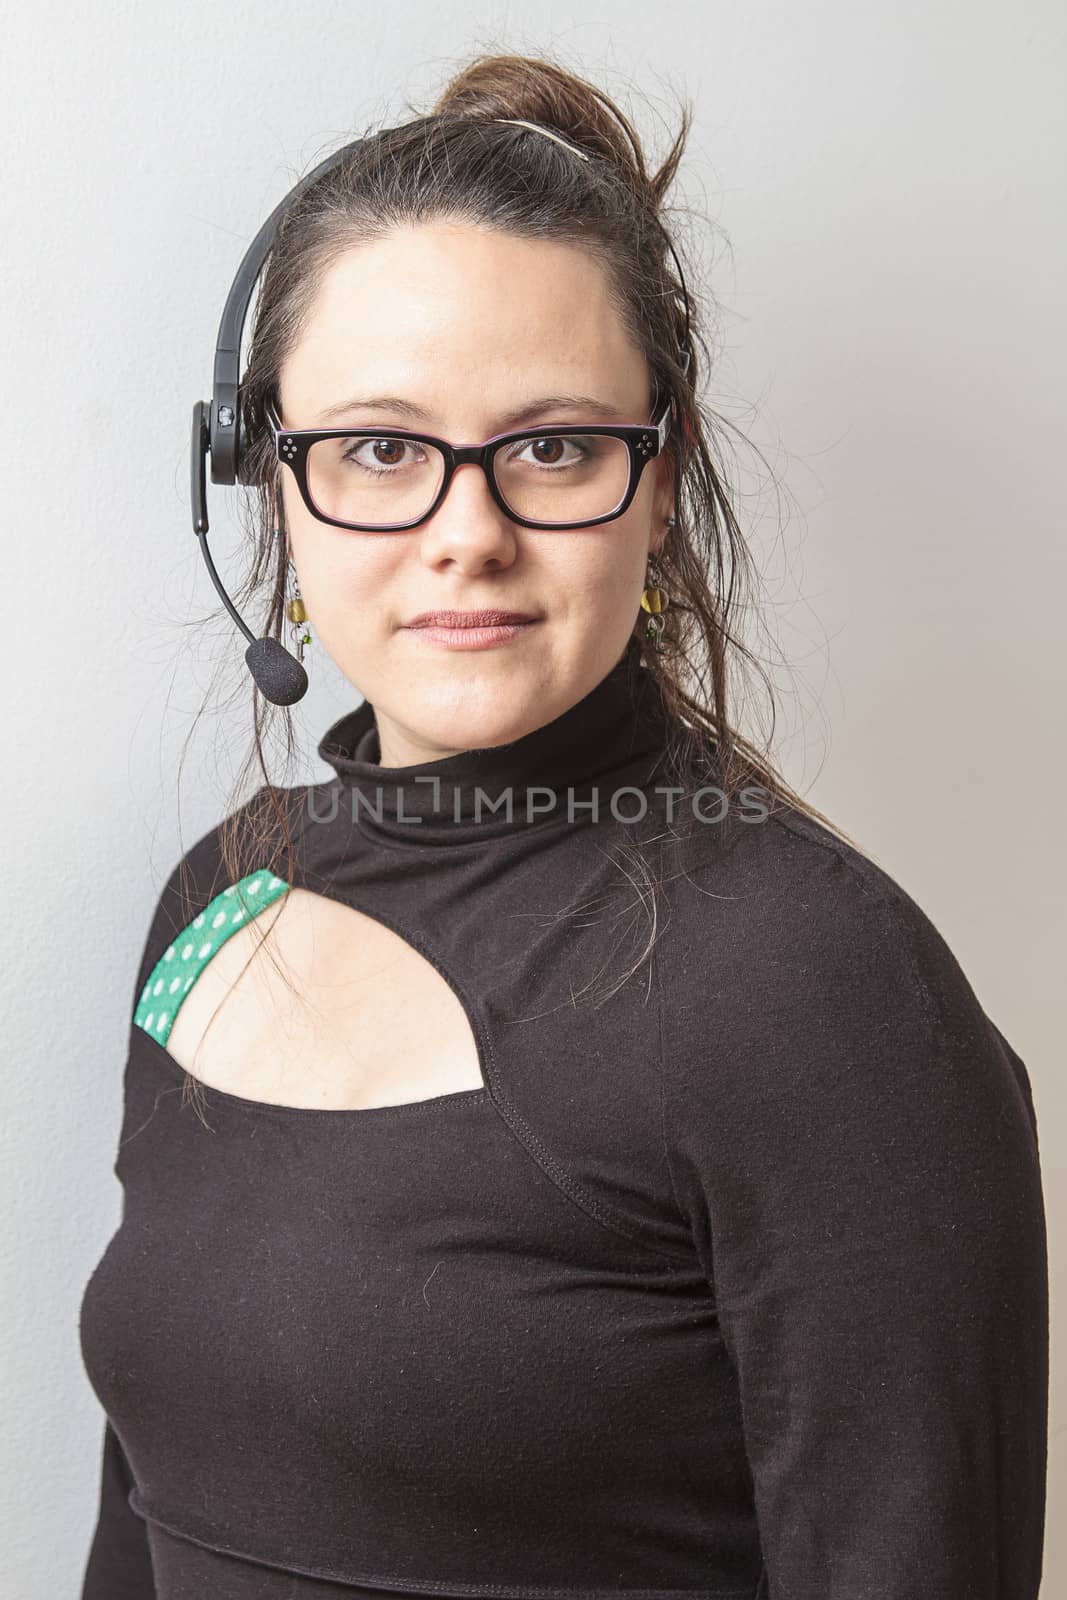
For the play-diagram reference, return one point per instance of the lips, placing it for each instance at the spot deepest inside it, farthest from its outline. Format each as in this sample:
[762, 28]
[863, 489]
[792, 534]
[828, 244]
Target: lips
[468, 619]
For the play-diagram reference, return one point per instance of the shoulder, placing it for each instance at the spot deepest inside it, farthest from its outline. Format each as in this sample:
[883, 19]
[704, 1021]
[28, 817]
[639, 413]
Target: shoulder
[248, 837]
[780, 894]
[831, 1079]
[806, 973]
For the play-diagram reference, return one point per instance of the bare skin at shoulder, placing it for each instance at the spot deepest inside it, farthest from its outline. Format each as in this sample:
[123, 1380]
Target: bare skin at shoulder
[371, 1023]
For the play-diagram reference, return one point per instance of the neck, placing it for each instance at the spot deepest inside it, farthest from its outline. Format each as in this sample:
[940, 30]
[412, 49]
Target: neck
[553, 776]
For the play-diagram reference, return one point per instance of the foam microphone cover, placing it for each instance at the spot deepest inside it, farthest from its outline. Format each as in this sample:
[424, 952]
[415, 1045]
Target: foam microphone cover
[278, 674]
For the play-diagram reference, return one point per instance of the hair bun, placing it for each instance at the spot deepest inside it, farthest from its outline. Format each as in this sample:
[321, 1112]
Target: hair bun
[530, 89]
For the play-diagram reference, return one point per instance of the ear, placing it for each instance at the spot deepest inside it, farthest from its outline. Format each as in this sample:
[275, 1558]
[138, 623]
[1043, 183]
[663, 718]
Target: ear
[662, 499]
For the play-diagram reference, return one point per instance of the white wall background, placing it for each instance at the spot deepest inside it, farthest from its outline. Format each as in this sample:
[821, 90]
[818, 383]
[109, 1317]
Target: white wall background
[890, 177]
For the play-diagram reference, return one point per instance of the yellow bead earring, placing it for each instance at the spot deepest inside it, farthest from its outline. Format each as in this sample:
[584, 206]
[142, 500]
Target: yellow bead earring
[655, 599]
[296, 611]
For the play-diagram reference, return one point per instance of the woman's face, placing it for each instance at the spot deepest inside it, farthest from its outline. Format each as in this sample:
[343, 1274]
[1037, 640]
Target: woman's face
[469, 326]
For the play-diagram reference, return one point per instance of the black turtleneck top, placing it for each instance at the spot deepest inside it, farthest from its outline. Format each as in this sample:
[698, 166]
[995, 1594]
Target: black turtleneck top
[730, 1281]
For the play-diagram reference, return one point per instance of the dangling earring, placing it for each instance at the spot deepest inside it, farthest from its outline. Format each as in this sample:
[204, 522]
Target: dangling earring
[296, 611]
[655, 599]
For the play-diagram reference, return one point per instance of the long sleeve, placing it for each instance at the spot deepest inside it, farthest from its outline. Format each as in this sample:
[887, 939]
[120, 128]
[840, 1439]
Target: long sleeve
[120, 1564]
[856, 1147]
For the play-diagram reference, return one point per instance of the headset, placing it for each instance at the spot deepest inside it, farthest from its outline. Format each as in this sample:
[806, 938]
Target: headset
[217, 430]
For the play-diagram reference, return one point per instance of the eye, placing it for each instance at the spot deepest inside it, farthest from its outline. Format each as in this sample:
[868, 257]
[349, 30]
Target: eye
[379, 457]
[548, 450]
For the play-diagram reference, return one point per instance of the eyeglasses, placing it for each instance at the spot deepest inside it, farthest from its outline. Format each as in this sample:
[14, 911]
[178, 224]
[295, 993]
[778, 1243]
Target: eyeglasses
[386, 482]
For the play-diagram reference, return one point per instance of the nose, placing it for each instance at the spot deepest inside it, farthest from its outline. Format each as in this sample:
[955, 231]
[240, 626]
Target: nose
[468, 525]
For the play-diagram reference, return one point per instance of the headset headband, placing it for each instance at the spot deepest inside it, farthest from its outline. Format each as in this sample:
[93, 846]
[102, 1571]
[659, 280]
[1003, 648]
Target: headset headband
[227, 372]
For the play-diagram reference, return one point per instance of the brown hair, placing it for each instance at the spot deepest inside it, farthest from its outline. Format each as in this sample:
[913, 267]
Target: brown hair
[457, 162]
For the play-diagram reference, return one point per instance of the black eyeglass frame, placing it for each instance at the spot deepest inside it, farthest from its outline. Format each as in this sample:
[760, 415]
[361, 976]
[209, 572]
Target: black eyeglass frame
[644, 441]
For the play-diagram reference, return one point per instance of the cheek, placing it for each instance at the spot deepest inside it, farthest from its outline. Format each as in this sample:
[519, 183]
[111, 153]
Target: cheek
[610, 567]
[348, 584]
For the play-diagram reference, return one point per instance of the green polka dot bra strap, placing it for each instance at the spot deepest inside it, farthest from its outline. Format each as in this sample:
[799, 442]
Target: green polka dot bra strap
[182, 962]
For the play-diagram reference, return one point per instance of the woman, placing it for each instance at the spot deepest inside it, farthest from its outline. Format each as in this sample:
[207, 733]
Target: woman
[600, 1175]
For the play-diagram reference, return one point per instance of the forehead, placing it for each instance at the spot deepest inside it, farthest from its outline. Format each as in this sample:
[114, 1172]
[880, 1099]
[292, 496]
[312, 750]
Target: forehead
[447, 308]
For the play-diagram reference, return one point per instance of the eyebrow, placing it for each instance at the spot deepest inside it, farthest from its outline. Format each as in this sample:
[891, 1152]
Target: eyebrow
[533, 409]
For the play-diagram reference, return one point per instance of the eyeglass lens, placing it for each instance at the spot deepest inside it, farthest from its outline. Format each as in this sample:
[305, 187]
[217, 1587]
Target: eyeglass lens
[381, 481]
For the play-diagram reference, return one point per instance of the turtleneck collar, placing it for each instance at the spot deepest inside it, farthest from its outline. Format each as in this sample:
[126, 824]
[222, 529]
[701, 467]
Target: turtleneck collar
[614, 736]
